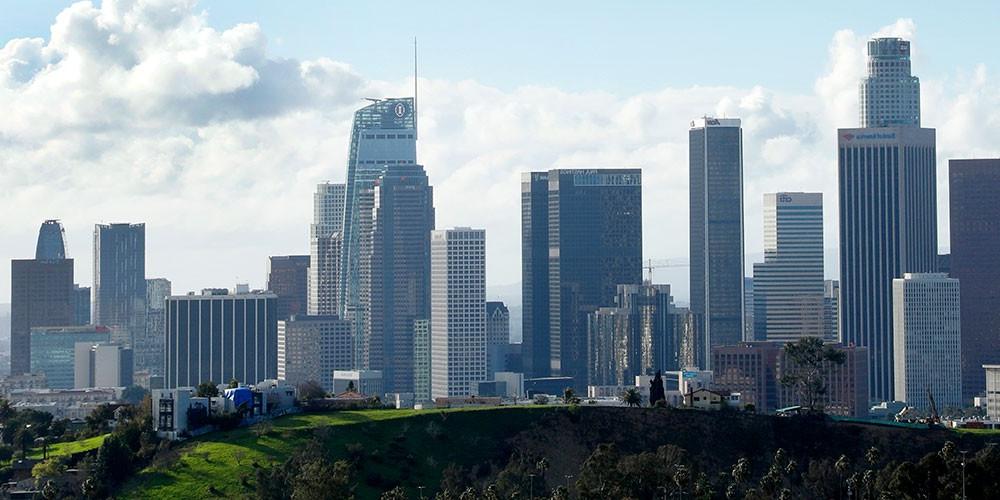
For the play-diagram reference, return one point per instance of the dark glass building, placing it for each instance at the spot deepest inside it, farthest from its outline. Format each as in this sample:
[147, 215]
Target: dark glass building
[535, 339]
[288, 277]
[81, 305]
[41, 294]
[716, 204]
[395, 271]
[218, 336]
[595, 244]
[975, 262]
[51, 241]
[120, 281]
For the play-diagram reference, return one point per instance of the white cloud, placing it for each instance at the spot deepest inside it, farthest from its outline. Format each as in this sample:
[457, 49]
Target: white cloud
[139, 111]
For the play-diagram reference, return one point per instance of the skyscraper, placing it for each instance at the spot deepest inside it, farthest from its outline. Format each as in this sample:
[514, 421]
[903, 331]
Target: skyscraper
[635, 337]
[51, 241]
[41, 294]
[497, 336]
[831, 310]
[974, 188]
[383, 135]
[311, 348]
[120, 281]
[458, 311]
[927, 340]
[422, 360]
[152, 348]
[81, 305]
[890, 95]
[716, 213]
[52, 351]
[325, 242]
[219, 336]
[395, 271]
[788, 285]
[535, 338]
[288, 277]
[888, 220]
[595, 244]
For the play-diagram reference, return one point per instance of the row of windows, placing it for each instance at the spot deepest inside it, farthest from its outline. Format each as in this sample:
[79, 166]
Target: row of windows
[388, 136]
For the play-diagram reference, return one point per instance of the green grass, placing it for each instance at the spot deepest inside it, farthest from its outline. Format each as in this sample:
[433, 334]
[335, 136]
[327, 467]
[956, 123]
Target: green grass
[63, 449]
[398, 444]
[981, 432]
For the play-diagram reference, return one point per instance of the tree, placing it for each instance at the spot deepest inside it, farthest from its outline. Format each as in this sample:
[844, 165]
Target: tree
[351, 387]
[656, 392]
[319, 479]
[133, 394]
[632, 397]
[49, 469]
[569, 396]
[233, 384]
[311, 389]
[807, 359]
[207, 390]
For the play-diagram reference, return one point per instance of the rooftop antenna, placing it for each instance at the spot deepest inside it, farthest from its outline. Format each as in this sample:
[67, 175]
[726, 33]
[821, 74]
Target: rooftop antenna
[415, 129]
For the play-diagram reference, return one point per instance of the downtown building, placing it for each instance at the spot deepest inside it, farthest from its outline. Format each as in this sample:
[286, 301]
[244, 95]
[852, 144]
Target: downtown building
[888, 207]
[458, 311]
[927, 340]
[497, 337]
[325, 243]
[398, 217]
[42, 293]
[588, 232]
[120, 284]
[788, 287]
[288, 278]
[53, 351]
[974, 188]
[150, 359]
[716, 227]
[311, 348]
[219, 336]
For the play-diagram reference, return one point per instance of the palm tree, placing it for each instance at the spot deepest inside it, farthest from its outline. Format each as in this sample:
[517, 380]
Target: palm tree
[631, 397]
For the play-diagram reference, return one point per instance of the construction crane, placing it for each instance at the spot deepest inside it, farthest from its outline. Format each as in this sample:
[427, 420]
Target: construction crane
[662, 263]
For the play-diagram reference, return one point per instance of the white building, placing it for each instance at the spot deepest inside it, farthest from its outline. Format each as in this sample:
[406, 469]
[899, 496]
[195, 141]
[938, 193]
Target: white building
[458, 311]
[365, 382]
[992, 391]
[324, 248]
[926, 340]
[311, 348]
[64, 403]
[102, 365]
[788, 285]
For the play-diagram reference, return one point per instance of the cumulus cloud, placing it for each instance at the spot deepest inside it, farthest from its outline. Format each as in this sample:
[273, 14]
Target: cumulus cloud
[140, 111]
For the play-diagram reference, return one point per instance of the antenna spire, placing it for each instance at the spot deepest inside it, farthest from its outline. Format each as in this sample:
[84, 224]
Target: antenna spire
[415, 129]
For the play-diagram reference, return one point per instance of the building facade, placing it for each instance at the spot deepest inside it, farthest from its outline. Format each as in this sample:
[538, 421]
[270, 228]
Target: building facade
[150, 353]
[927, 340]
[220, 336]
[422, 360]
[311, 348]
[325, 243]
[788, 285]
[497, 336]
[535, 338]
[288, 278]
[831, 310]
[974, 188]
[81, 305]
[120, 281]
[716, 226]
[890, 94]
[41, 294]
[992, 391]
[458, 311]
[395, 272]
[51, 243]
[53, 351]
[102, 365]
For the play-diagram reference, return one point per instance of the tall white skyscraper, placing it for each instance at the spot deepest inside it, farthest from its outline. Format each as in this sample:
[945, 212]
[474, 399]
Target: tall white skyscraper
[788, 285]
[927, 340]
[890, 94]
[458, 311]
[325, 243]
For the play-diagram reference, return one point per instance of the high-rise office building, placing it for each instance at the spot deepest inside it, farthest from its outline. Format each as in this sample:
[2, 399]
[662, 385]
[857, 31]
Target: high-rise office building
[149, 353]
[422, 360]
[611, 347]
[220, 336]
[384, 134]
[395, 272]
[288, 278]
[595, 244]
[51, 241]
[974, 188]
[888, 217]
[748, 312]
[53, 351]
[311, 348]
[102, 365]
[535, 339]
[788, 285]
[927, 340]
[497, 336]
[41, 294]
[120, 281]
[81, 305]
[890, 94]
[690, 338]
[716, 214]
[831, 310]
[325, 242]
[458, 311]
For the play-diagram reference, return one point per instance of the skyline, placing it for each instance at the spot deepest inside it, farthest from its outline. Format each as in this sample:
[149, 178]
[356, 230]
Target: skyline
[180, 156]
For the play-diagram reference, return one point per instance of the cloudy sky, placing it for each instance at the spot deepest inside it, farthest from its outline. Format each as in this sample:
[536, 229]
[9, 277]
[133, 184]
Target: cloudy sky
[212, 122]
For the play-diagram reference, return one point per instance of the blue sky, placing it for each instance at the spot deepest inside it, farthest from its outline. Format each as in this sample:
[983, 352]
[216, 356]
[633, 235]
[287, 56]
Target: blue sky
[619, 47]
[214, 133]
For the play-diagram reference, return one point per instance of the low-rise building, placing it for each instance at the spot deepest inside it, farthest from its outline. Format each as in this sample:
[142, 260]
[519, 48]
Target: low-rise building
[704, 399]
[74, 404]
[364, 382]
[25, 381]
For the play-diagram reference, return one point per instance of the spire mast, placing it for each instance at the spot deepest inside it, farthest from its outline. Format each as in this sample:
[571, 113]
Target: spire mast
[415, 130]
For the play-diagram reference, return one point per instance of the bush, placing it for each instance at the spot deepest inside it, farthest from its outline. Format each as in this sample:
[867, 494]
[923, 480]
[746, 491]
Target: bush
[541, 399]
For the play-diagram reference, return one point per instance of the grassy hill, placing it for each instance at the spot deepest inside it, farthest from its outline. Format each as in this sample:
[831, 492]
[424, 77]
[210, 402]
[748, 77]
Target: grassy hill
[412, 448]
